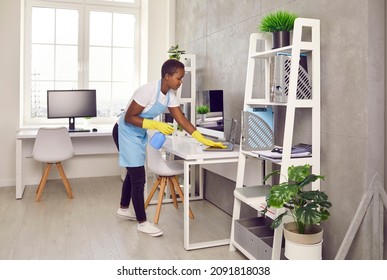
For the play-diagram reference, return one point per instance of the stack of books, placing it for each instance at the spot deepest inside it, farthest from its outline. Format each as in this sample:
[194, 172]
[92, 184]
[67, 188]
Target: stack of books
[298, 151]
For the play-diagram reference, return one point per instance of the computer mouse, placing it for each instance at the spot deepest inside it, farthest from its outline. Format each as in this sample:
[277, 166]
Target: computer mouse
[94, 130]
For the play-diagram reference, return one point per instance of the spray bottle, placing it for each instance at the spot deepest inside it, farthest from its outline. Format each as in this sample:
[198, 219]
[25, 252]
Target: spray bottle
[157, 140]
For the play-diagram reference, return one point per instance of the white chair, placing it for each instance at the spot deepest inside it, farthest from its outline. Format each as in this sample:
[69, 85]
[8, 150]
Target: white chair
[53, 145]
[166, 172]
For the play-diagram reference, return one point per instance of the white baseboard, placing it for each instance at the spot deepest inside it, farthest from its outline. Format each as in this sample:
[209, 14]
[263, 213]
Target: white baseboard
[35, 181]
[7, 183]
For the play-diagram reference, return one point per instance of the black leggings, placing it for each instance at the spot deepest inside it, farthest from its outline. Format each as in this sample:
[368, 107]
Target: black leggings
[133, 186]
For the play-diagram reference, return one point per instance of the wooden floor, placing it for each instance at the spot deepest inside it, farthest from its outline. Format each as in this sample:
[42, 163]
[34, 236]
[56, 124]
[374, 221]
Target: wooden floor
[87, 228]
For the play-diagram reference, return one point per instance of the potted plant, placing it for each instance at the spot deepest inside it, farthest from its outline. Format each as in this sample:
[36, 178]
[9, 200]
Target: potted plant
[175, 53]
[280, 24]
[202, 111]
[87, 121]
[306, 207]
[179, 131]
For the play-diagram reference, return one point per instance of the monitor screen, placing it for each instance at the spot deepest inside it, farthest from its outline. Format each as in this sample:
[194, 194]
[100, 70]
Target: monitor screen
[216, 100]
[71, 104]
[212, 123]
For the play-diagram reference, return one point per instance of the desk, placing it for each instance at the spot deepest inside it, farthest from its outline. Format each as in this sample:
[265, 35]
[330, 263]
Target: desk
[85, 143]
[191, 152]
[101, 142]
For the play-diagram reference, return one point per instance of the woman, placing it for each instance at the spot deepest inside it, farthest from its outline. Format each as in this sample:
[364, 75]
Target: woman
[130, 136]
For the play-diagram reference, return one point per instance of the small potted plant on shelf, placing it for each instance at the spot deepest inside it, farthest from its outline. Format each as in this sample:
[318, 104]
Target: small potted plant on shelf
[280, 24]
[175, 52]
[307, 208]
[202, 111]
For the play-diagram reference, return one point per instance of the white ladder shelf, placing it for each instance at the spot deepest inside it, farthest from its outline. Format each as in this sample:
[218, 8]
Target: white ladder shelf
[311, 48]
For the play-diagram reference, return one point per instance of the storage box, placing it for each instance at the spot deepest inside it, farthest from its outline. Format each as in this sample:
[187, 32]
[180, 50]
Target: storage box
[242, 226]
[267, 248]
[254, 244]
[256, 237]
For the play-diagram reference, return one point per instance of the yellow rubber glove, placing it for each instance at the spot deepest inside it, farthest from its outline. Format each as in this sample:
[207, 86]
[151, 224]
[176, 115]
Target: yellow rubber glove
[199, 137]
[164, 128]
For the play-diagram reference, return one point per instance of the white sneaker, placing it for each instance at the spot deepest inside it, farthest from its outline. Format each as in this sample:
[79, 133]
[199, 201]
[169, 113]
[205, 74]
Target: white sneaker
[126, 213]
[149, 228]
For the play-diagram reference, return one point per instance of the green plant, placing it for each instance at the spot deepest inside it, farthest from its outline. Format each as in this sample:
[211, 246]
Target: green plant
[202, 109]
[306, 207]
[175, 53]
[277, 21]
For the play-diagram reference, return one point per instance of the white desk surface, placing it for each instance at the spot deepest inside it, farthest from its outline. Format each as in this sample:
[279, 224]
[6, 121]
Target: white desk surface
[189, 149]
[31, 133]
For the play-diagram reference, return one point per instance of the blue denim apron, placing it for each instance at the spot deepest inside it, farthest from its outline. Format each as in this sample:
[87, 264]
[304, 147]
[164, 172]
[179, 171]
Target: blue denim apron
[132, 139]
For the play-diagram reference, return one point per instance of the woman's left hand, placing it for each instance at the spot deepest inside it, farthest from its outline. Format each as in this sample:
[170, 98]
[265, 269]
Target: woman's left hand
[199, 137]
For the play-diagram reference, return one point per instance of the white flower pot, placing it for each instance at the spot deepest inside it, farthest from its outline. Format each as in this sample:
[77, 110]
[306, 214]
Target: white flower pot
[202, 117]
[297, 251]
[179, 133]
[306, 246]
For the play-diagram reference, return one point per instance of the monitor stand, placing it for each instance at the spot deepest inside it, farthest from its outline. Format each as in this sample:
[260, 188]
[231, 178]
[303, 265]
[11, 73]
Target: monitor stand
[72, 126]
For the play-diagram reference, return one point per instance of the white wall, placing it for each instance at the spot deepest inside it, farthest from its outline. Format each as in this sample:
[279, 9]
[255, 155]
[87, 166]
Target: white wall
[160, 30]
[158, 25]
[9, 91]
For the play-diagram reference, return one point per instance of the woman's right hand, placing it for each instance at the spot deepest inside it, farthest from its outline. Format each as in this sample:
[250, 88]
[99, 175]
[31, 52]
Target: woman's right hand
[164, 128]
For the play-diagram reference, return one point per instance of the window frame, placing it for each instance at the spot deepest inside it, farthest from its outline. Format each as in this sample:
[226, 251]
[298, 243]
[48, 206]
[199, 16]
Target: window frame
[84, 8]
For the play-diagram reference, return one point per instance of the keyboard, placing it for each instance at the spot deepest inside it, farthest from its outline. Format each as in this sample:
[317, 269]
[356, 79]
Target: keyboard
[79, 130]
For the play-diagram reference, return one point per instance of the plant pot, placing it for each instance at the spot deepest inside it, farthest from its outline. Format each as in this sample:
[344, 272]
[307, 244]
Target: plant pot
[306, 246]
[281, 39]
[297, 251]
[179, 133]
[313, 234]
[202, 117]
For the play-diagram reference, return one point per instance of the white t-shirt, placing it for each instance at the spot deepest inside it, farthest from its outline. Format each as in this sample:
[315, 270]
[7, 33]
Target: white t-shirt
[146, 96]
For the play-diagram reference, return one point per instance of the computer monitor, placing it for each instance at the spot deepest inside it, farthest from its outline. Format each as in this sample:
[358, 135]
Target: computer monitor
[216, 101]
[71, 104]
[213, 123]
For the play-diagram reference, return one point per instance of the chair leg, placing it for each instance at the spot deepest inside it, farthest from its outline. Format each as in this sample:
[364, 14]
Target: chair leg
[65, 180]
[42, 183]
[180, 192]
[160, 201]
[173, 192]
[152, 192]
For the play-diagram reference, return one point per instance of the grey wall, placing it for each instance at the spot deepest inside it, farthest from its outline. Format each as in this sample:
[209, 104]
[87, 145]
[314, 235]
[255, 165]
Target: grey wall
[352, 90]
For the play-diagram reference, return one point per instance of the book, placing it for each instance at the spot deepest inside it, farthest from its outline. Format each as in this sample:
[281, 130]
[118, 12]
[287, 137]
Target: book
[302, 148]
[298, 151]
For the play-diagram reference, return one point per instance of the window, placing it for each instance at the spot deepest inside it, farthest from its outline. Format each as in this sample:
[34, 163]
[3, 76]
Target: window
[77, 44]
